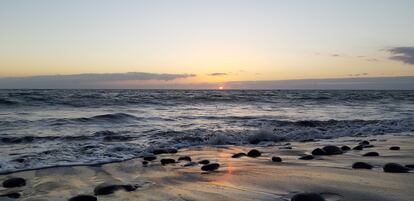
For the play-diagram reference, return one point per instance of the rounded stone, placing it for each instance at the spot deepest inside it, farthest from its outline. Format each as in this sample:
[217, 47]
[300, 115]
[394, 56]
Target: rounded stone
[307, 197]
[254, 153]
[14, 182]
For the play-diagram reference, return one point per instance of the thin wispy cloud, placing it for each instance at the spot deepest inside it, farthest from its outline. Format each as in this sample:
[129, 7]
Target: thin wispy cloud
[86, 80]
[217, 74]
[402, 54]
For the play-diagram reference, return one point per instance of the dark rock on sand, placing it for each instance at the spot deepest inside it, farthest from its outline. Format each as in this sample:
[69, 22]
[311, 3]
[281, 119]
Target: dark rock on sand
[394, 148]
[364, 143]
[166, 161]
[371, 154]
[318, 152]
[11, 195]
[285, 147]
[411, 166]
[83, 198]
[276, 159]
[150, 158]
[306, 157]
[184, 158]
[159, 151]
[144, 162]
[210, 167]
[395, 168]
[307, 197]
[361, 165]
[106, 189]
[238, 155]
[332, 150]
[204, 162]
[345, 148]
[254, 153]
[359, 147]
[14, 182]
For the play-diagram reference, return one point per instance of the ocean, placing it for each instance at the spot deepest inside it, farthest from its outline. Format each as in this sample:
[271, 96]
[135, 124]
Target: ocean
[45, 128]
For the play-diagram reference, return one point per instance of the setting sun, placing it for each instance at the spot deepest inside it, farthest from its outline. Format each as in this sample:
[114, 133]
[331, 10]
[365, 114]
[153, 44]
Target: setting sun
[220, 87]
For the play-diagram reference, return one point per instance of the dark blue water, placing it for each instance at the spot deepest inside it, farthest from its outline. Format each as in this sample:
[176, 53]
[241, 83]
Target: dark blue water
[40, 128]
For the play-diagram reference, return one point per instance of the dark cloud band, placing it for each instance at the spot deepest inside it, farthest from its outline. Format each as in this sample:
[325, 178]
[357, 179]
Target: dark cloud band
[403, 54]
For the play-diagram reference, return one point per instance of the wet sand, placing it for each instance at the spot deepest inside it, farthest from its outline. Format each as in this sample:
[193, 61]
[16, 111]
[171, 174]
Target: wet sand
[244, 178]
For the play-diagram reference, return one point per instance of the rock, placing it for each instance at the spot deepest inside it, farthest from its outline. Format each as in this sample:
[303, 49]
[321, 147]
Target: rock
[371, 154]
[14, 182]
[332, 150]
[411, 166]
[276, 159]
[159, 151]
[150, 158]
[394, 148]
[318, 152]
[359, 147]
[306, 157]
[11, 195]
[238, 155]
[189, 164]
[210, 167]
[254, 153]
[184, 158]
[144, 162]
[166, 161]
[395, 168]
[83, 198]
[364, 143]
[106, 189]
[307, 197]
[361, 165]
[204, 162]
[285, 147]
[345, 148]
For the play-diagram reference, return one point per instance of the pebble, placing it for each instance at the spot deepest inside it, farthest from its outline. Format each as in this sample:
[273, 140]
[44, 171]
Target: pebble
[149, 158]
[14, 182]
[361, 165]
[83, 198]
[254, 153]
[332, 150]
[395, 168]
[345, 148]
[306, 157]
[307, 197]
[210, 167]
[11, 195]
[394, 148]
[184, 158]
[106, 189]
[371, 154]
[166, 161]
[238, 155]
[276, 159]
[204, 162]
[318, 152]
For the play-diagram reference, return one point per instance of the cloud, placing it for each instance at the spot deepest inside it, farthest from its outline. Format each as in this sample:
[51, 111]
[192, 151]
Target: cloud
[335, 55]
[217, 74]
[91, 80]
[403, 54]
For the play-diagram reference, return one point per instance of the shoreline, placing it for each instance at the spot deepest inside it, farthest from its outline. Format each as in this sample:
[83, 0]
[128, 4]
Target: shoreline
[244, 178]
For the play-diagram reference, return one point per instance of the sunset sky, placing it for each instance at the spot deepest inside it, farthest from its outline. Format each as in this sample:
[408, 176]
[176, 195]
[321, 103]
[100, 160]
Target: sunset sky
[213, 41]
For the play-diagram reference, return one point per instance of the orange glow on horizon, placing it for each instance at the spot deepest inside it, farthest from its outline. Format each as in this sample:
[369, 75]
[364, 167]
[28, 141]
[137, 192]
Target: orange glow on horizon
[220, 87]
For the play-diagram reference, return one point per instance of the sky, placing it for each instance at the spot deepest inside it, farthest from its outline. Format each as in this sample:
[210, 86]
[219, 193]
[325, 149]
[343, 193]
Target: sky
[202, 43]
